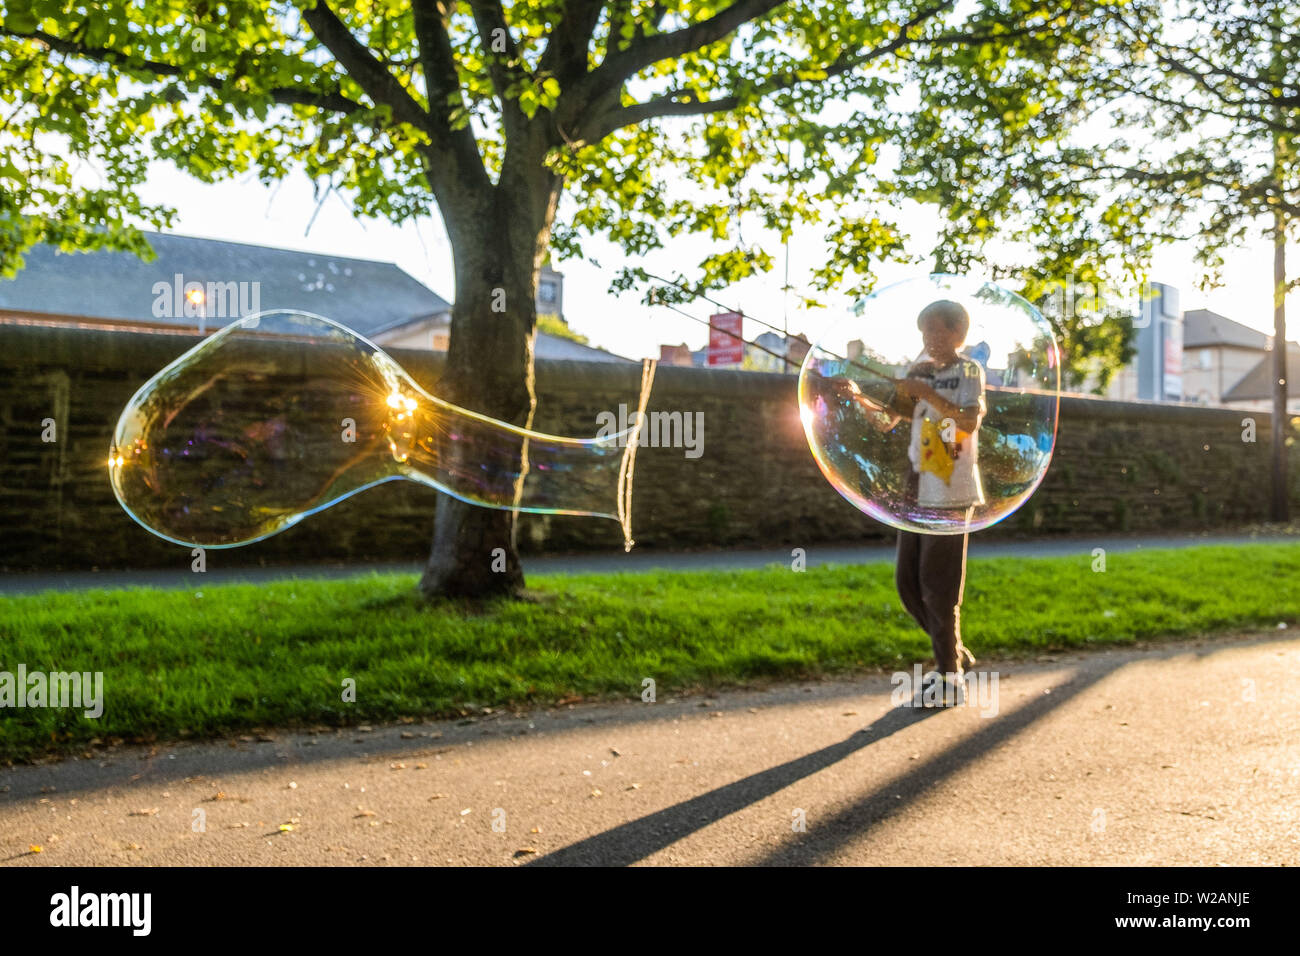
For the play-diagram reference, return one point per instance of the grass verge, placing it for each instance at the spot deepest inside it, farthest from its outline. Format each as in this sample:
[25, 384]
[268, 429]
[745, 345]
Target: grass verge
[224, 659]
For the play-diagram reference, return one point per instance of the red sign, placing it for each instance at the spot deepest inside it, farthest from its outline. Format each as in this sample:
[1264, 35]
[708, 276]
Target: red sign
[726, 344]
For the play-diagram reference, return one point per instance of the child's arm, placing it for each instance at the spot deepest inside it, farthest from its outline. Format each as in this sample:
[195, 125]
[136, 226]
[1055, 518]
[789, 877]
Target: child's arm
[968, 411]
[965, 417]
[880, 417]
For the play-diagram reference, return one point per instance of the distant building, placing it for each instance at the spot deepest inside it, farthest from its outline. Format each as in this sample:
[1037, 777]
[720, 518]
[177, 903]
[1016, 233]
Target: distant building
[433, 331]
[675, 354]
[206, 283]
[796, 350]
[1159, 360]
[550, 292]
[766, 353]
[1218, 353]
[201, 285]
[1155, 372]
[1207, 357]
[773, 352]
[1255, 389]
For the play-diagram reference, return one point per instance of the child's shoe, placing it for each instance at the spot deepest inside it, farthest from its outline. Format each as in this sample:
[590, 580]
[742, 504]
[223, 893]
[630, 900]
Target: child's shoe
[941, 690]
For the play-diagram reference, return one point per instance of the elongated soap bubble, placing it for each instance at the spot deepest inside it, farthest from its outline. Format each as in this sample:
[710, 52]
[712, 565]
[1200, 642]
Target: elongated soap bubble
[966, 453]
[283, 413]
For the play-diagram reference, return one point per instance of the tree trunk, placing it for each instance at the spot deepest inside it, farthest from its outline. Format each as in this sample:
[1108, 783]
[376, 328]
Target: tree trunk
[499, 244]
[1280, 510]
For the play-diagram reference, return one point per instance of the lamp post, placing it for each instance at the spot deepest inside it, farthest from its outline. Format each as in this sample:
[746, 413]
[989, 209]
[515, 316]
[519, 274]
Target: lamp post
[197, 298]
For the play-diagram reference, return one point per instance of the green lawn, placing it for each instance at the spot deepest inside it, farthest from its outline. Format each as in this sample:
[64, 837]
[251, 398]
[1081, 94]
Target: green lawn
[177, 664]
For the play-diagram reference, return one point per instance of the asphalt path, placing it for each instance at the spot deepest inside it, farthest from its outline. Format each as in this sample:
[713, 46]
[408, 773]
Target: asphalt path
[1167, 754]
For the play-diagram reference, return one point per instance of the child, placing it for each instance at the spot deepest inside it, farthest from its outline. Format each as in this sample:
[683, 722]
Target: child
[946, 393]
[931, 568]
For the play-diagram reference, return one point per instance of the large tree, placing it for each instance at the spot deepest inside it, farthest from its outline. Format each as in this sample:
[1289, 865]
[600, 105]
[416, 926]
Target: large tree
[660, 117]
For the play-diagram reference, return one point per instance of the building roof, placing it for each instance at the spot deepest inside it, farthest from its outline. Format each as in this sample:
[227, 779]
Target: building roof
[360, 293]
[547, 346]
[1203, 329]
[1258, 382]
[368, 296]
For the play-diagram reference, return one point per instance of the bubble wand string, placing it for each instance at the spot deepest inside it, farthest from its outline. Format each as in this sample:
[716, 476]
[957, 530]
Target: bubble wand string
[856, 394]
[788, 361]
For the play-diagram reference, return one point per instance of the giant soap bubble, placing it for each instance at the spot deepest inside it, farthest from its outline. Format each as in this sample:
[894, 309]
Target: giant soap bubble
[282, 414]
[927, 426]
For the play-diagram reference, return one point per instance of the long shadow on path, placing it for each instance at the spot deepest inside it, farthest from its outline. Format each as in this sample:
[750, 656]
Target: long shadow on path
[638, 839]
[819, 842]
[633, 841]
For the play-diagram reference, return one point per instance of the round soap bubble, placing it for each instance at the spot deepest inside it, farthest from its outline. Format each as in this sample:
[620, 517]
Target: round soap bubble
[282, 414]
[933, 406]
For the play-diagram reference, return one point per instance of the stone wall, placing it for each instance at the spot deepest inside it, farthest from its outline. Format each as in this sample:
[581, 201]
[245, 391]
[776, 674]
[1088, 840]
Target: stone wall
[1118, 466]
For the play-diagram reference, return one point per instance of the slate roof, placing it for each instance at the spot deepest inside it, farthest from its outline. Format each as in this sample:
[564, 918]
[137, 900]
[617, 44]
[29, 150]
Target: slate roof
[362, 294]
[365, 295]
[1258, 382]
[1203, 329]
[548, 346]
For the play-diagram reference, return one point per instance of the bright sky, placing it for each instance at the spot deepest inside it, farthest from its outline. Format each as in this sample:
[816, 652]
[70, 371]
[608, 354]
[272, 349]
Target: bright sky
[247, 211]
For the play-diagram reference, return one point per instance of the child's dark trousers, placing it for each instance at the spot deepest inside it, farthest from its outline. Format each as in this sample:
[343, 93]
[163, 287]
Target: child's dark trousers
[930, 573]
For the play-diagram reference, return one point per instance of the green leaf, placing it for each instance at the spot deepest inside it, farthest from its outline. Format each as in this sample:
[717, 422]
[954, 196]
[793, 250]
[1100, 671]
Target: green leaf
[20, 20]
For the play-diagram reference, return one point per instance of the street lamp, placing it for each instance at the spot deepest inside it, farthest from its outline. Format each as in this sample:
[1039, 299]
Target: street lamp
[196, 298]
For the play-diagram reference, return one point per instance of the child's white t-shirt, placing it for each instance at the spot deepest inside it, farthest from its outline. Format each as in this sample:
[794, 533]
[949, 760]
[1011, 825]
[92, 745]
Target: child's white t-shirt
[944, 457]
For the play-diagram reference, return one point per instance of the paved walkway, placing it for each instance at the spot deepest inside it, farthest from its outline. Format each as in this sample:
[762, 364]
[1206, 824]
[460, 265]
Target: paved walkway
[1174, 754]
[635, 561]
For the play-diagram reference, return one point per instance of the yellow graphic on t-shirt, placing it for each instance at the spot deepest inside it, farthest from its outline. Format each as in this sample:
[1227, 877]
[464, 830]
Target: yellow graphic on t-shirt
[934, 453]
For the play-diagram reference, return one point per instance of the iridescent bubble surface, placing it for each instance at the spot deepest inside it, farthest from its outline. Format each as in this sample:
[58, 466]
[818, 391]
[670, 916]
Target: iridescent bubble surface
[282, 414]
[966, 453]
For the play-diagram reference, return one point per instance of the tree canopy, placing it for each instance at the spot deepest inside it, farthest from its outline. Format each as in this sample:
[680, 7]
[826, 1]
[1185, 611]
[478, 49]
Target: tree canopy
[660, 118]
[657, 119]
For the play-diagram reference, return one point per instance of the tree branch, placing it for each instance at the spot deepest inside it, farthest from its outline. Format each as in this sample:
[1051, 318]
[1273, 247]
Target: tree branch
[1173, 50]
[436, 59]
[565, 56]
[1167, 54]
[453, 159]
[490, 18]
[674, 103]
[670, 104]
[361, 65]
[1255, 194]
[1180, 105]
[287, 96]
[647, 50]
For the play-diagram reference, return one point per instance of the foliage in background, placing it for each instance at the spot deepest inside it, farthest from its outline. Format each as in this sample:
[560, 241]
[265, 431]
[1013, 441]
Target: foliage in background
[554, 325]
[663, 118]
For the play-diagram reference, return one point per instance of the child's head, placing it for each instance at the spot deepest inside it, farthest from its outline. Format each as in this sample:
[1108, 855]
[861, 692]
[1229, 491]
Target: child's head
[944, 325]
